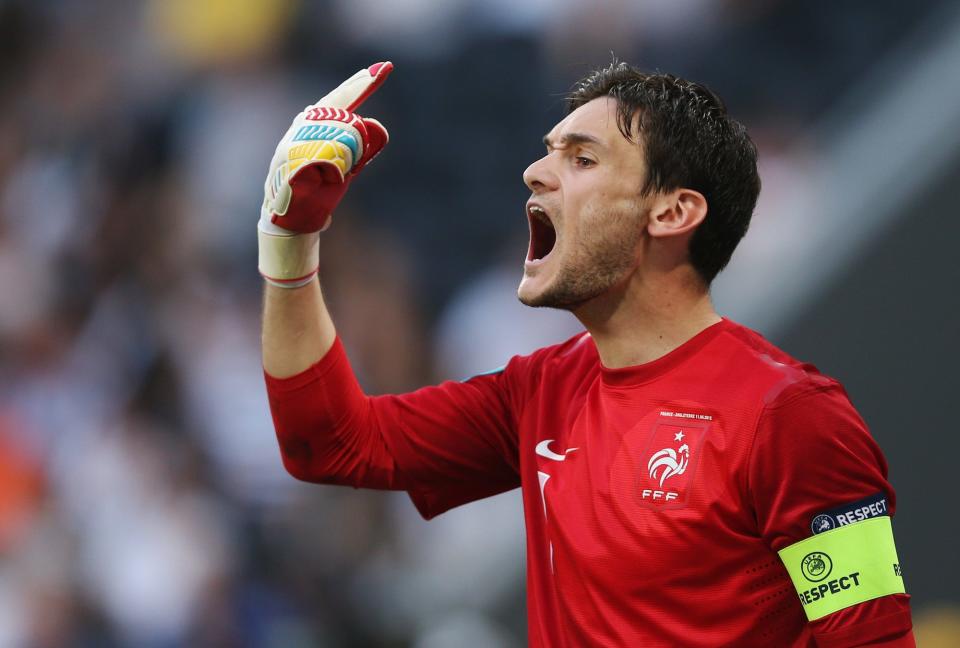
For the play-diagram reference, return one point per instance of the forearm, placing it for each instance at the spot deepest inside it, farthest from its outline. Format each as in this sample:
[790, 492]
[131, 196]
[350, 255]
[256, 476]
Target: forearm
[297, 329]
[324, 423]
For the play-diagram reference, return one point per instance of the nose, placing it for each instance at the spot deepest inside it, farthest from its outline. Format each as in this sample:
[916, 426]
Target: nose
[539, 177]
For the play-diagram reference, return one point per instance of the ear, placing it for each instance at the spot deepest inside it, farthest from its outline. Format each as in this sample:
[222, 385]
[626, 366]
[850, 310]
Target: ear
[677, 212]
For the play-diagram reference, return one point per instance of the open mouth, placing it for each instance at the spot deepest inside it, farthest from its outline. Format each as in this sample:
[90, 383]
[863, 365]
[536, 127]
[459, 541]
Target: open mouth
[543, 235]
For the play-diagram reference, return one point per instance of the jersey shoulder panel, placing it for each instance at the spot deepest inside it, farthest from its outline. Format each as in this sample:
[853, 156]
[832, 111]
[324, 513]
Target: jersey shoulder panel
[557, 363]
[779, 376]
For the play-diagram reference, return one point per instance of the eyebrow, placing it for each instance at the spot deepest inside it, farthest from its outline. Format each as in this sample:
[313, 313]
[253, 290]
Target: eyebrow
[572, 139]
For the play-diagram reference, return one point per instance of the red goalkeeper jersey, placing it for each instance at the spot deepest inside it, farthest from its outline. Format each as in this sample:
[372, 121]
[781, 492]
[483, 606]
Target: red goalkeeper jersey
[656, 497]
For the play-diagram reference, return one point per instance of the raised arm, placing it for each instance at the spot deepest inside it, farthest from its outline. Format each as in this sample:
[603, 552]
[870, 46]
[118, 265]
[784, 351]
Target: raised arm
[446, 445]
[324, 148]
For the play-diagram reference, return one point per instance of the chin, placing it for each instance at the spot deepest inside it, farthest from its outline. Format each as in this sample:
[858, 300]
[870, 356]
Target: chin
[531, 294]
[528, 296]
[547, 297]
[547, 300]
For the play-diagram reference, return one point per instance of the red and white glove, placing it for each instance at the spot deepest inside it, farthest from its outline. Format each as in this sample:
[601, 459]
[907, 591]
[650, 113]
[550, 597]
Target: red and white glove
[325, 146]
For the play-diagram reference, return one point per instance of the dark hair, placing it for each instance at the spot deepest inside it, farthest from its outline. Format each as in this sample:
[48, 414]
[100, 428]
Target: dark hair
[688, 141]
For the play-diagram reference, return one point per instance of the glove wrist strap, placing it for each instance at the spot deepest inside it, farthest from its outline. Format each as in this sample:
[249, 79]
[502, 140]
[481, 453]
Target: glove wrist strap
[289, 261]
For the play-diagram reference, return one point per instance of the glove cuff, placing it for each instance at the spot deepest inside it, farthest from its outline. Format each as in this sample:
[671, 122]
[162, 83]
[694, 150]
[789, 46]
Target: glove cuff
[289, 260]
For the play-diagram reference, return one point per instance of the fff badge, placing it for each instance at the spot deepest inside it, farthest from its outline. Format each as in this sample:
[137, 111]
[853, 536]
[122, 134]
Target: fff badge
[667, 464]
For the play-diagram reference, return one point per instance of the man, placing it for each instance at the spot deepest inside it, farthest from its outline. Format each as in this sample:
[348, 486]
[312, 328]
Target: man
[685, 483]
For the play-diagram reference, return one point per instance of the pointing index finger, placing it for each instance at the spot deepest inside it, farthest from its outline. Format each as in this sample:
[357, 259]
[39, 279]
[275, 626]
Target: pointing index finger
[355, 90]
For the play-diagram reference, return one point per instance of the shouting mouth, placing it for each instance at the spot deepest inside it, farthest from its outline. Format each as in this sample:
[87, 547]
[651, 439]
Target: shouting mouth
[543, 235]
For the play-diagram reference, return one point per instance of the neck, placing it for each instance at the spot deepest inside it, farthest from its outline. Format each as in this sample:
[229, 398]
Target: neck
[647, 317]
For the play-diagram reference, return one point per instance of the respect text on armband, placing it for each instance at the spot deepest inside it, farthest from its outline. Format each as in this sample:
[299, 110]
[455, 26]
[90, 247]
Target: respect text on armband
[834, 586]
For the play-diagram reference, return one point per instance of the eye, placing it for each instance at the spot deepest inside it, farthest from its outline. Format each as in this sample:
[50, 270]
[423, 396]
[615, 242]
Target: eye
[581, 161]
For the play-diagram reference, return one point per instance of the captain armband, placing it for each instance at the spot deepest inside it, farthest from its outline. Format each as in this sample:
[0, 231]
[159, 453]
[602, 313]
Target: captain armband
[848, 565]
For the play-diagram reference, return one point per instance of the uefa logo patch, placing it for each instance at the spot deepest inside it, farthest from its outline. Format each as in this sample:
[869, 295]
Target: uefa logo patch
[822, 523]
[667, 464]
[816, 566]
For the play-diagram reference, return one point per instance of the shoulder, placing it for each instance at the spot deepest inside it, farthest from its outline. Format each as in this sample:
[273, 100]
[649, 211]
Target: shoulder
[777, 378]
[807, 429]
[564, 363]
[577, 351]
[796, 403]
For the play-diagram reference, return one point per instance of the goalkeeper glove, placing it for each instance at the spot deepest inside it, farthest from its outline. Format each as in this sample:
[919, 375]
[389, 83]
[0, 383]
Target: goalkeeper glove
[321, 152]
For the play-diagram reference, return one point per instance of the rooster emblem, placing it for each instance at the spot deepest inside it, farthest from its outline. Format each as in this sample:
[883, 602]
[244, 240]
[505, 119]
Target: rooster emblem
[672, 462]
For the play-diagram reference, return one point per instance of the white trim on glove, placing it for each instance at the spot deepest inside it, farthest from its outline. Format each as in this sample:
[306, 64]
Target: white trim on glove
[288, 260]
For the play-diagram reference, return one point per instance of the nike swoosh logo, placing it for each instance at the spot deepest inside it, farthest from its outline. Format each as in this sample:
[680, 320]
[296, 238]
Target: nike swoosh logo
[543, 449]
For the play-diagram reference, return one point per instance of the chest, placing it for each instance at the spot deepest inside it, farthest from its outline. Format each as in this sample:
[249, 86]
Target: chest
[619, 482]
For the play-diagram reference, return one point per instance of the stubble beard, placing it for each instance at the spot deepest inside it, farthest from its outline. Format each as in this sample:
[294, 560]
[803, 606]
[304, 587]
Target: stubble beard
[594, 268]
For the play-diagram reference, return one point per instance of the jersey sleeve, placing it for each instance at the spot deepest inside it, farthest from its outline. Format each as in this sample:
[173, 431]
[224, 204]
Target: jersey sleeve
[446, 445]
[813, 459]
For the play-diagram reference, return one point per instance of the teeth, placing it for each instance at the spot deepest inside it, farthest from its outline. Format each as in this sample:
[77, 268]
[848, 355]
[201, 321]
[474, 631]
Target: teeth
[538, 214]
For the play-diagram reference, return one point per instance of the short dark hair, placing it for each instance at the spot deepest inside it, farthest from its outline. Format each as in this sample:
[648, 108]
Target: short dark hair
[688, 141]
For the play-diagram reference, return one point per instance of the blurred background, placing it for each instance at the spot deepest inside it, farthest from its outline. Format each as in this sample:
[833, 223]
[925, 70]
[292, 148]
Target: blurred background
[142, 499]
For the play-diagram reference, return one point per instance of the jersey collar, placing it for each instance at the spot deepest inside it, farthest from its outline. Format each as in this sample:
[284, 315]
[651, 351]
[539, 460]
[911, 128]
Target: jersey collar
[639, 374]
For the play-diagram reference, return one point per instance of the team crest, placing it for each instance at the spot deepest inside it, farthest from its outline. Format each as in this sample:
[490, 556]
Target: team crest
[668, 463]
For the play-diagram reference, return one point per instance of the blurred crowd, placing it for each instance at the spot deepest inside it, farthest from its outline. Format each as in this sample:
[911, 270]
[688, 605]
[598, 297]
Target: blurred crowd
[142, 499]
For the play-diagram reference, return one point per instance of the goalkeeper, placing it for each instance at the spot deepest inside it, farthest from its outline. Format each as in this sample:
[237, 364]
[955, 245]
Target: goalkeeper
[685, 482]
